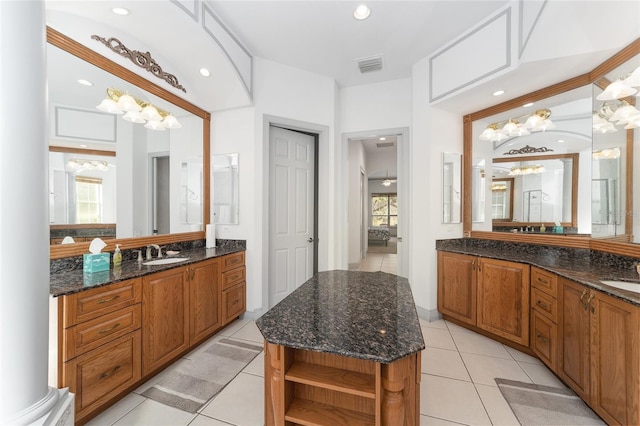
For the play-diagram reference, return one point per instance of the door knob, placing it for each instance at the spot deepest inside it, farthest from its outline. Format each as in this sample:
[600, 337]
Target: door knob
[310, 240]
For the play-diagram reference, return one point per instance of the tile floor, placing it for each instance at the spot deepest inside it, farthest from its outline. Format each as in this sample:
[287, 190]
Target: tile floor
[457, 387]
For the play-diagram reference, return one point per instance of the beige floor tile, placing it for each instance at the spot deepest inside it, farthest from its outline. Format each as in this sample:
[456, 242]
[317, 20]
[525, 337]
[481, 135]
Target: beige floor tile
[202, 420]
[455, 327]
[541, 375]
[485, 369]
[499, 411]
[256, 367]
[155, 379]
[233, 327]
[240, 403]
[474, 343]
[249, 332]
[444, 363]
[434, 324]
[522, 357]
[433, 421]
[153, 413]
[452, 400]
[117, 411]
[437, 338]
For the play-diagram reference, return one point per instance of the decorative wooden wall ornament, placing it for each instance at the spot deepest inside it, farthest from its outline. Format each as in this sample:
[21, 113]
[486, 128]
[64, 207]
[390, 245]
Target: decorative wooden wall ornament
[143, 60]
[527, 150]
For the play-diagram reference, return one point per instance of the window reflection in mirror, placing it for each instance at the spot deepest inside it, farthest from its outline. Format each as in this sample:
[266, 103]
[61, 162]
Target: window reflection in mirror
[451, 187]
[502, 199]
[224, 170]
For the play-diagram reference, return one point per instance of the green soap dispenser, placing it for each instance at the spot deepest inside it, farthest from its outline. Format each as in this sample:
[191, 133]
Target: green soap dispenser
[117, 256]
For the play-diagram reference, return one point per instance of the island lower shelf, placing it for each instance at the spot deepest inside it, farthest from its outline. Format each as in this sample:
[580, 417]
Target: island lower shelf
[314, 388]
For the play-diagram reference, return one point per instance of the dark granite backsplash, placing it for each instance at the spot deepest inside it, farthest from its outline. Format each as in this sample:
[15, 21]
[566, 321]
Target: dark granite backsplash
[74, 263]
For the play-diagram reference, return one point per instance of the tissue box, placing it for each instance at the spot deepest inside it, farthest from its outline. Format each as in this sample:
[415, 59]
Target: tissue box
[96, 262]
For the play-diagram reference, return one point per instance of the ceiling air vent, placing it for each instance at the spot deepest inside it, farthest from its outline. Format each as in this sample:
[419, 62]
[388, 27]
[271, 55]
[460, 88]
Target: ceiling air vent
[373, 63]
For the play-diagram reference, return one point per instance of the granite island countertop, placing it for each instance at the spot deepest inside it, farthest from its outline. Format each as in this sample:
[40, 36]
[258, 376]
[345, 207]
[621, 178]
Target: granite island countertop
[69, 280]
[584, 266]
[365, 315]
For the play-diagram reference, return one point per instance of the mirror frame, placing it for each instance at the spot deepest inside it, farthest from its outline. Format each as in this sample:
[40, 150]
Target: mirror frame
[71, 46]
[621, 248]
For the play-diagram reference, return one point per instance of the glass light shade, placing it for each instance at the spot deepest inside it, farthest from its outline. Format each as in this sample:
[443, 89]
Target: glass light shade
[533, 122]
[634, 123]
[127, 103]
[608, 127]
[499, 136]
[633, 79]
[624, 114]
[170, 122]
[150, 113]
[616, 90]
[155, 125]
[510, 128]
[108, 105]
[487, 134]
[133, 116]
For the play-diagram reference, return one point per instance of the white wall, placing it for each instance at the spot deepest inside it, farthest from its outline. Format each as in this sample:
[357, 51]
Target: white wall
[434, 131]
[355, 225]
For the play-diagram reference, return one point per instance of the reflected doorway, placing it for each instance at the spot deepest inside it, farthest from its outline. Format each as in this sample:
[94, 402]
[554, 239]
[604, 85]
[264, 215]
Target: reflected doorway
[160, 200]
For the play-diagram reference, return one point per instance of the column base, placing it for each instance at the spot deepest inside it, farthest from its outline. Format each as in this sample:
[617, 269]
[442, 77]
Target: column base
[55, 409]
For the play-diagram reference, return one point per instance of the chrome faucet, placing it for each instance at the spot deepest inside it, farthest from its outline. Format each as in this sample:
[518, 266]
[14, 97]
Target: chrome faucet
[155, 246]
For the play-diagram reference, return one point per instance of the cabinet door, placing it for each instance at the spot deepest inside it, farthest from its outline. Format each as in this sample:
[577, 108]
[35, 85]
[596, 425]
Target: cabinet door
[457, 286]
[204, 289]
[614, 359]
[544, 339]
[234, 301]
[573, 330]
[503, 299]
[165, 317]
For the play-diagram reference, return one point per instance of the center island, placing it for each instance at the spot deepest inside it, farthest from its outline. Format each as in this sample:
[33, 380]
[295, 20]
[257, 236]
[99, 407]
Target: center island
[343, 349]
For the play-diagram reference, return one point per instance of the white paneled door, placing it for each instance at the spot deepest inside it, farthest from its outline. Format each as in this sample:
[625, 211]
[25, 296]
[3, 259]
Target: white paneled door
[291, 211]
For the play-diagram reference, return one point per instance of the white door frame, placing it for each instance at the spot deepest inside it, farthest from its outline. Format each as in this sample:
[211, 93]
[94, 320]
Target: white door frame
[404, 189]
[322, 241]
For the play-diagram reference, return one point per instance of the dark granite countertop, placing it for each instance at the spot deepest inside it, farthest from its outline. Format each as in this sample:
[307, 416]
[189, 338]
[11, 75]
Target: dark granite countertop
[365, 315]
[584, 266]
[69, 278]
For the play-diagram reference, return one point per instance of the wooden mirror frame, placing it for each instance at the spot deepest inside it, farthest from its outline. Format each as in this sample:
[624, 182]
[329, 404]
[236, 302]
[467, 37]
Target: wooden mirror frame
[600, 71]
[71, 46]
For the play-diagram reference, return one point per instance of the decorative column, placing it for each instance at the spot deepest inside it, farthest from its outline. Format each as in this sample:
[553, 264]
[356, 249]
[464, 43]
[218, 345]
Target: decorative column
[24, 225]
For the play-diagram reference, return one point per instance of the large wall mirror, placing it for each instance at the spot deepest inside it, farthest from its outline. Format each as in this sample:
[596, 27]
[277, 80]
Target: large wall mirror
[114, 177]
[556, 134]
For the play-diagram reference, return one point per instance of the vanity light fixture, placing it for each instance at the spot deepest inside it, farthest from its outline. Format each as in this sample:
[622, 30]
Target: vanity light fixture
[619, 113]
[621, 88]
[537, 122]
[80, 163]
[498, 187]
[605, 154]
[362, 12]
[526, 170]
[137, 110]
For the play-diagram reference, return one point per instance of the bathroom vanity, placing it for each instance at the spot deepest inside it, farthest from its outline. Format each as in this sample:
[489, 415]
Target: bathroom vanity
[343, 349]
[112, 330]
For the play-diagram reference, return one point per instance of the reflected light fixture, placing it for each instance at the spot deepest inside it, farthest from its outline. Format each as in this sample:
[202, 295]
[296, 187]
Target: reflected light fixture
[137, 111]
[619, 113]
[605, 154]
[498, 187]
[83, 164]
[528, 169]
[538, 121]
[622, 87]
[362, 12]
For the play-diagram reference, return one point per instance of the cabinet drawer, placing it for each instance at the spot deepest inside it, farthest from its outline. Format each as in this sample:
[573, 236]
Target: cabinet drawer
[544, 339]
[233, 301]
[93, 333]
[233, 276]
[231, 261]
[101, 374]
[545, 281]
[545, 304]
[91, 304]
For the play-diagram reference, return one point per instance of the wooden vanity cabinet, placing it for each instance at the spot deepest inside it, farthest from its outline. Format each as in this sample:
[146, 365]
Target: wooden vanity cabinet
[599, 353]
[544, 316]
[165, 317]
[234, 287]
[457, 286]
[100, 342]
[488, 293]
[204, 298]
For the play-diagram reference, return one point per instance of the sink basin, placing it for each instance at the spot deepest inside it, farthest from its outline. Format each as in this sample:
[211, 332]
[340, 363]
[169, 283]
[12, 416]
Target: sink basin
[165, 261]
[623, 285]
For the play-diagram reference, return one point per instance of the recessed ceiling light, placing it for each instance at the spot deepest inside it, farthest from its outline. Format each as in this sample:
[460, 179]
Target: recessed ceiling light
[120, 11]
[362, 12]
[205, 72]
[498, 93]
[85, 82]
[383, 138]
[528, 104]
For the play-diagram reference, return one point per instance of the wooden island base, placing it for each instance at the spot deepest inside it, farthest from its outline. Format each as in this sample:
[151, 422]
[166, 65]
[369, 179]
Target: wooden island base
[315, 388]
